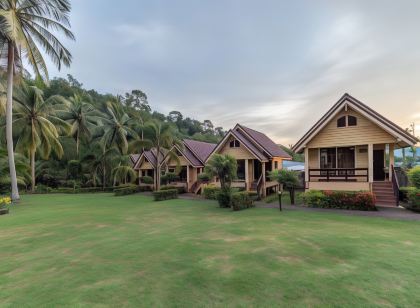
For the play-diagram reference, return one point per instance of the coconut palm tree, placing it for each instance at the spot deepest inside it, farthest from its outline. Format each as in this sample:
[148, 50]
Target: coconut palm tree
[123, 173]
[36, 125]
[24, 26]
[22, 168]
[81, 115]
[224, 167]
[117, 127]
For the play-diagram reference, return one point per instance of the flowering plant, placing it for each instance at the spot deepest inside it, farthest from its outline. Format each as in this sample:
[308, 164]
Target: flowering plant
[5, 201]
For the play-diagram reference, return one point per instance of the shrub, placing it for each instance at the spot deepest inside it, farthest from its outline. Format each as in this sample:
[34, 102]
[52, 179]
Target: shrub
[363, 201]
[204, 177]
[241, 201]
[169, 177]
[41, 189]
[180, 189]
[210, 192]
[128, 190]
[146, 180]
[91, 189]
[161, 195]
[315, 198]
[414, 200]
[404, 191]
[414, 176]
[224, 197]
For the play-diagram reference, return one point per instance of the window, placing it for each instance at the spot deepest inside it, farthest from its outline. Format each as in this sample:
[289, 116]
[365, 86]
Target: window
[234, 144]
[276, 165]
[341, 122]
[351, 120]
[345, 157]
[328, 158]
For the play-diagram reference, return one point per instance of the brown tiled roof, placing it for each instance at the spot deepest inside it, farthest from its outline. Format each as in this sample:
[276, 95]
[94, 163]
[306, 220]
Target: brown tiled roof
[151, 156]
[249, 145]
[134, 158]
[200, 149]
[265, 142]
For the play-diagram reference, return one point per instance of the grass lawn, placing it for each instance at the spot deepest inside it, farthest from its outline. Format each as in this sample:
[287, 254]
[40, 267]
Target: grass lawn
[100, 250]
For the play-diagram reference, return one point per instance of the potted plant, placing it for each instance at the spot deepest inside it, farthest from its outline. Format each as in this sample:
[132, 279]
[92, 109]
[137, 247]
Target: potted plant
[4, 205]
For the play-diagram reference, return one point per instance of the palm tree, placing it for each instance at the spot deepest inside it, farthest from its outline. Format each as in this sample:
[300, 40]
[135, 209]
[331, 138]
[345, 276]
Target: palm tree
[224, 167]
[81, 115]
[160, 137]
[117, 127]
[22, 168]
[23, 25]
[123, 172]
[36, 125]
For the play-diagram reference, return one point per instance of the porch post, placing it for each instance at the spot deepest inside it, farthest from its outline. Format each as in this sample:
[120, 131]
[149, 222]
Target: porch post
[306, 165]
[263, 179]
[370, 162]
[246, 175]
[391, 159]
[188, 177]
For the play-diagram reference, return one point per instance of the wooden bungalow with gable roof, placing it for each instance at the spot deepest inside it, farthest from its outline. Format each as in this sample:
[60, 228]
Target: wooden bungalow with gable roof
[351, 148]
[256, 155]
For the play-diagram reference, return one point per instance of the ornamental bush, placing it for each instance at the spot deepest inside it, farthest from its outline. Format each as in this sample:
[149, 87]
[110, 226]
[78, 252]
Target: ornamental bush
[180, 189]
[161, 195]
[363, 201]
[241, 201]
[224, 197]
[210, 192]
[204, 177]
[414, 199]
[146, 179]
[404, 192]
[414, 176]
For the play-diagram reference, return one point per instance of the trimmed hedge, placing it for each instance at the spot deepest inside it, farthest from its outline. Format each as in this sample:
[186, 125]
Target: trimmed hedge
[146, 180]
[210, 192]
[180, 189]
[362, 201]
[224, 197]
[204, 177]
[161, 195]
[414, 176]
[241, 201]
[404, 191]
[127, 190]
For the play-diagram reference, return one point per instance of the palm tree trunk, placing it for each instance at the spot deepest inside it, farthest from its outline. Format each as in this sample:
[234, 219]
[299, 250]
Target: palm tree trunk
[32, 170]
[157, 180]
[77, 144]
[9, 118]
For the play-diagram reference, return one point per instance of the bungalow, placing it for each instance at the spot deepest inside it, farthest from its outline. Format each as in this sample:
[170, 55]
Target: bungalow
[256, 155]
[351, 148]
[190, 163]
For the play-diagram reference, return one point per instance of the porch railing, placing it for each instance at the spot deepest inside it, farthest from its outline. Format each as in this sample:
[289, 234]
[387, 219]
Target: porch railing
[339, 174]
[395, 186]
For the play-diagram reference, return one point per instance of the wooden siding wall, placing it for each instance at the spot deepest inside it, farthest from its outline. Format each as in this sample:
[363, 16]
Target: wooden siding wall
[146, 165]
[182, 162]
[238, 153]
[279, 163]
[363, 133]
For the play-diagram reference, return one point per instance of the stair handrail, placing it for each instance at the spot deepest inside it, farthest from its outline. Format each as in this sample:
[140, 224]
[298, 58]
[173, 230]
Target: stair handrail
[395, 185]
[259, 182]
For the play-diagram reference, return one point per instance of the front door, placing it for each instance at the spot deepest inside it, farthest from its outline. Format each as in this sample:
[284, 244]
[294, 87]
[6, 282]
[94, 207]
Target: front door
[378, 165]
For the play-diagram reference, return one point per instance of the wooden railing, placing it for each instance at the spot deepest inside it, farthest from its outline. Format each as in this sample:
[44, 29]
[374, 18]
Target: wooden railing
[395, 186]
[339, 174]
[259, 185]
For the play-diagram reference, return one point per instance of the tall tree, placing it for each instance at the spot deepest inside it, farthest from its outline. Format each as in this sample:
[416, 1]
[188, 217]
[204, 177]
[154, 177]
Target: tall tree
[81, 115]
[224, 167]
[23, 25]
[36, 125]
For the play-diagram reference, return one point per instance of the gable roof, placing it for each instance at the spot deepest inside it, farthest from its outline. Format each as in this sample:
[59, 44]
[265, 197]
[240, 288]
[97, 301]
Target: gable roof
[200, 149]
[393, 129]
[261, 146]
[150, 156]
[134, 158]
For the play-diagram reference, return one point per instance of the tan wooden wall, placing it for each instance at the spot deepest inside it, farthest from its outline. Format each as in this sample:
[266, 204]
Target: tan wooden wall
[238, 153]
[365, 132]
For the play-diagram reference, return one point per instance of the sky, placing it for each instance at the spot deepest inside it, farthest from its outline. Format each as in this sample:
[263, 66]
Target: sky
[275, 66]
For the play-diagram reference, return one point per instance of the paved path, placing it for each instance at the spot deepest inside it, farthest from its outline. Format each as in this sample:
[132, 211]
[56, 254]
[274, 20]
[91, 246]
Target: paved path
[385, 212]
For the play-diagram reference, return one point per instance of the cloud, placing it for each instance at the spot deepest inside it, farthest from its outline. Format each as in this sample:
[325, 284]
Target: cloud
[141, 34]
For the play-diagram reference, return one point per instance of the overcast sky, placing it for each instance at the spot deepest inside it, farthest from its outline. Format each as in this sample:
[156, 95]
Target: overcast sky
[271, 65]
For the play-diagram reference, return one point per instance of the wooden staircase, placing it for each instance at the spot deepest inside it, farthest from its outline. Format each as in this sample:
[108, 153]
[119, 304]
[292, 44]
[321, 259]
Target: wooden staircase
[384, 193]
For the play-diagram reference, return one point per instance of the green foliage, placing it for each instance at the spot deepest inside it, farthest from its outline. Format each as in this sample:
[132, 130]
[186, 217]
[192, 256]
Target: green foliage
[363, 201]
[414, 199]
[414, 176]
[126, 190]
[288, 178]
[160, 195]
[404, 191]
[169, 177]
[146, 179]
[74, 168]
[241, 201]
[224, 167]
[224, 197]
[180, 189]
[210, 192]
[204, 177]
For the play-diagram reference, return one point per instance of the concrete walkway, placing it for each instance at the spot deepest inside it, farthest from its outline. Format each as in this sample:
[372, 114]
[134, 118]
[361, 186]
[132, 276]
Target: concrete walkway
[384, 212]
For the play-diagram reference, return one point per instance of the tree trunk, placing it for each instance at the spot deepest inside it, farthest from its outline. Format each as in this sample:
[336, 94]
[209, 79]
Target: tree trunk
[9, 118]
[77, 144]
[157, 169]
[292, 195]
[32, 153]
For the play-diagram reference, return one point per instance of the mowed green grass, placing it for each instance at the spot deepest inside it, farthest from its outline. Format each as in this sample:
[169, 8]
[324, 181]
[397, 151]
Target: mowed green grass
[101, 250]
